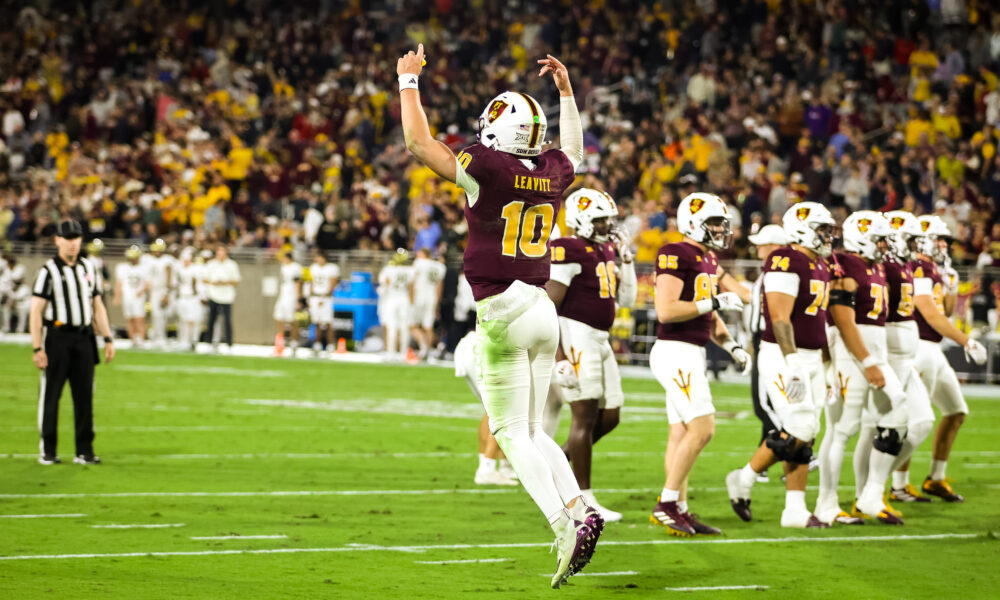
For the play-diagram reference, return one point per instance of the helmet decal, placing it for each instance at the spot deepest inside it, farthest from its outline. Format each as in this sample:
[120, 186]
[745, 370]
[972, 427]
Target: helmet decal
[897, 222]
[802, 213]
[925, 224]
[864, 224]
[535, 120]
[496, 109]
[696, 205]
[584, 203]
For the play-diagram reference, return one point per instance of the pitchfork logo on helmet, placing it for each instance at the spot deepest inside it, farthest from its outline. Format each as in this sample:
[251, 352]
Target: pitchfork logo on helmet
[863, 231]
[694, 215]
[585, 206]
[496, 109]
[810, 225]
[514, 123]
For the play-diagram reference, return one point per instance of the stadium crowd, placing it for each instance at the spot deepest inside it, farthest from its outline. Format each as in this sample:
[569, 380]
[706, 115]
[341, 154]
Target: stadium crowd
[278, 124]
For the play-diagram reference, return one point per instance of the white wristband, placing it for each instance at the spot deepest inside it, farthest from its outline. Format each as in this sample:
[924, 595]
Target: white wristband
[731, 345]
[704, 306]
[869, 361]
[408, 81]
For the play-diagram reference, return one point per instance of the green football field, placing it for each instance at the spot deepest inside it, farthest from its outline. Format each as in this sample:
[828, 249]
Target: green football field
[228, 477]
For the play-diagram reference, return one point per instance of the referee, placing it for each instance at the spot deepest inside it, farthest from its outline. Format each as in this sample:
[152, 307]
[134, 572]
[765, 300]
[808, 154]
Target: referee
[66, 307]
[767, 240]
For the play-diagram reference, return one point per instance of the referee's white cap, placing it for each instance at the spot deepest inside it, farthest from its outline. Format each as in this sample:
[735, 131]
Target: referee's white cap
[769, 234]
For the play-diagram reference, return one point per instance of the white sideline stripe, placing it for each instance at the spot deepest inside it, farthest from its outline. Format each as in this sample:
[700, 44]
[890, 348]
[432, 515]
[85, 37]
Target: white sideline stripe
[188, 370]
[463, 562]
[717, 588]
[239, 537]
[434, 492]
[67, 515]
[372, 547]
[137, 525]
[982, 465]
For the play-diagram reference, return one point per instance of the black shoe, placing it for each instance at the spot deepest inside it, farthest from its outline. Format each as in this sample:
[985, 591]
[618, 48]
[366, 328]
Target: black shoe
[47, 459]
[86, 459]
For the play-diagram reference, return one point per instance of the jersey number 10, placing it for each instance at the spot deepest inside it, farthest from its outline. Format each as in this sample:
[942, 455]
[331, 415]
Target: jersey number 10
[519, 229]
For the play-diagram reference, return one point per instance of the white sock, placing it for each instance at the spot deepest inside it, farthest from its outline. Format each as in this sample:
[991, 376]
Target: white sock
[900, 479]
[748, 476]
[558, 466]
[938, 468]
[879, 468]
[796, 500]
[670, 495]
[682, 505]
[486, 464]
[532, 468]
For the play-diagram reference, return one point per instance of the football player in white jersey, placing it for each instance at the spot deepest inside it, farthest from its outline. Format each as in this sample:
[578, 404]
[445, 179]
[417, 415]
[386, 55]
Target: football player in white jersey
[15, 295]
[322, 279]
[396, 295]
[488, 472]
[190, 300]
[287, 303]
[428, 277]
[132, 284]
[161, 266]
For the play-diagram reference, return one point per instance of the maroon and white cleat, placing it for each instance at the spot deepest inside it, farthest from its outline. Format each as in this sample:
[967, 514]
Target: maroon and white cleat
[669, 516]
[699, 527]
[815, 523]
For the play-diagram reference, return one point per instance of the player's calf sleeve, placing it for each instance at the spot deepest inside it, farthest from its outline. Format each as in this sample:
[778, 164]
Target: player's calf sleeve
[531, 466]
[562, 474]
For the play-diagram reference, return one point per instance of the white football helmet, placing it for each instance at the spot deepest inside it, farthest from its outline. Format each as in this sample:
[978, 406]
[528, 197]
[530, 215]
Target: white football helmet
[514, 123]
[802, 223]
[585, 206]
[905, 239]
[693, 214]
[863, 230]
[933, 227]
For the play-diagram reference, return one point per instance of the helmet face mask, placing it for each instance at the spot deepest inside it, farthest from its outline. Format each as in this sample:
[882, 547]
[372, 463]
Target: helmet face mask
[513, 122]
[718, 233]
[936, 237]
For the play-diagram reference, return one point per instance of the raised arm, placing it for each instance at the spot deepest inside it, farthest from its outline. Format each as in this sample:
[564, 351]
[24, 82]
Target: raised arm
[416, 131]
[570, 127]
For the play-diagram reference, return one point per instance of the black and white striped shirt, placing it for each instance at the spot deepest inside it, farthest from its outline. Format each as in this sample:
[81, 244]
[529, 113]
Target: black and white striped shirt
[69, 291]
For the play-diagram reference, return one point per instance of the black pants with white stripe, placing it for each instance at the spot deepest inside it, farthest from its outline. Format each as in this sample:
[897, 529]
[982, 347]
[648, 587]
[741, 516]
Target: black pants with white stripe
[72, 357]
[759, 395]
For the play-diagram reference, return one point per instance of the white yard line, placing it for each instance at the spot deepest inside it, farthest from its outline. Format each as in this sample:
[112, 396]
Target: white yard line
[713, 588]
[239, 537]
[138, 525]
[430, 548]
[982, 465]
[463, 562]
[190, 370]
[65, 516]
[432, 492]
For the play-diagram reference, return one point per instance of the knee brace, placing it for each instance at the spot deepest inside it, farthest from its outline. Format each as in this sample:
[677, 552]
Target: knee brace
[802, 456]
[889, 441]
[783, 447]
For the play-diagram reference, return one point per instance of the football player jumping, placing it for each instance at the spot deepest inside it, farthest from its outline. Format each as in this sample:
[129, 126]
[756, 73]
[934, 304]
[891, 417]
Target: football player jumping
[796, 283]
[513, 191]
[687, 299]
[584, 285]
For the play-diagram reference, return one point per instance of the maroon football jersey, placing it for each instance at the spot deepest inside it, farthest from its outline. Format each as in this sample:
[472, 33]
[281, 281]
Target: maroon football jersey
[899, 278]
[700, 273]
[871, 299]
[590, 297]
[926, 268]
[809, 311]
[509, 225]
